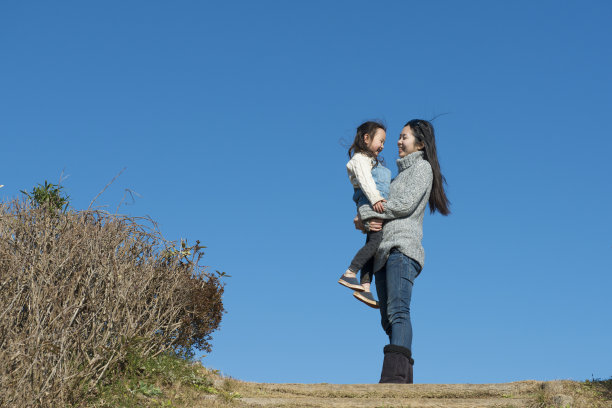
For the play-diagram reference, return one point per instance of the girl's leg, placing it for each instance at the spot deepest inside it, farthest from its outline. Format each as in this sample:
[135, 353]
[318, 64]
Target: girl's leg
[366, 274]
[366, 253]
[365, 295]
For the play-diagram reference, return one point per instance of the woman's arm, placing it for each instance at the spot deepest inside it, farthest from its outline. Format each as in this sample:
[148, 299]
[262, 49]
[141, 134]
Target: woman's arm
[375, 224]
[405, 197]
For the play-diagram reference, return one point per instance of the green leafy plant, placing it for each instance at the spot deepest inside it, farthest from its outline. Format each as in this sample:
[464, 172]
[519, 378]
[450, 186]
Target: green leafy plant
[48, 196]
[164, 380]
[147, 389]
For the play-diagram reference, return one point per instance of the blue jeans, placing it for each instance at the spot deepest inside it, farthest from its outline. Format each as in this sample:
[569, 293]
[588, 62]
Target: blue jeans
[394, 289]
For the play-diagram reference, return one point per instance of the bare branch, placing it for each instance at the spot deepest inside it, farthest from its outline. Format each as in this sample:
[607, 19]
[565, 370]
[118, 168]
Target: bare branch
[105, 187]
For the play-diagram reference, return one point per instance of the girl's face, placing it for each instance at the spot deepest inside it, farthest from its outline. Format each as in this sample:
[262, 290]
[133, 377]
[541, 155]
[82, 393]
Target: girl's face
[407, 143]
[377, 142]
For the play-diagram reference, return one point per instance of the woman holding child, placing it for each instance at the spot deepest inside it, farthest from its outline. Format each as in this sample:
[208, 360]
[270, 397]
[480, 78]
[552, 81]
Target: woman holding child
[400, 255]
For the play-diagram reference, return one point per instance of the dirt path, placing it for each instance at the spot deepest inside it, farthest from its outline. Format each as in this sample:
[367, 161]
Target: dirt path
[531, 394]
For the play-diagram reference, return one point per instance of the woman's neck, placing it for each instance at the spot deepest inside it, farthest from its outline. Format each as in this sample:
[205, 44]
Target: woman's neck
[408, 160]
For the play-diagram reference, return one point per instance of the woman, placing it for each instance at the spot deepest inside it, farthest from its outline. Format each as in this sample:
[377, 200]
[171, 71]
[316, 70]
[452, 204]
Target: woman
[400, 256]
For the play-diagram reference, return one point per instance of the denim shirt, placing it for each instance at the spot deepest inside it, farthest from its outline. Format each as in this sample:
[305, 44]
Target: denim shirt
[382, 178]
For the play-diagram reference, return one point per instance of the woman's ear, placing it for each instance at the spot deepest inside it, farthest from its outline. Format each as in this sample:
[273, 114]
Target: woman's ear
[420, 146]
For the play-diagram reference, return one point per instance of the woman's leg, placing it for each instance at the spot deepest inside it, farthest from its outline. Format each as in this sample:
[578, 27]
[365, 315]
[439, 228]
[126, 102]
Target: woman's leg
[401, 272]
[380, 278]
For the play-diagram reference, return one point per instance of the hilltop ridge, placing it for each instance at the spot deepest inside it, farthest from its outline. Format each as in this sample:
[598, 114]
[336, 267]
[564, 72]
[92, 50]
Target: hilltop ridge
[516, 394]
[229, 392]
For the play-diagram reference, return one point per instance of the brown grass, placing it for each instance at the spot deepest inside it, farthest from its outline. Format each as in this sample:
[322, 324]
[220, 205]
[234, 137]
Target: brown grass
[79, 290]
[227, 392]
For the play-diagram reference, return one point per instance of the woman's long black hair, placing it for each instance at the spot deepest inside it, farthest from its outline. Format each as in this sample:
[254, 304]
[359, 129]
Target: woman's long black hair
[423, 132]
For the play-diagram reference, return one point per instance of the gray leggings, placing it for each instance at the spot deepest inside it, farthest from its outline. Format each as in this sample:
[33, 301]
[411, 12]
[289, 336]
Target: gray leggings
[364, 259]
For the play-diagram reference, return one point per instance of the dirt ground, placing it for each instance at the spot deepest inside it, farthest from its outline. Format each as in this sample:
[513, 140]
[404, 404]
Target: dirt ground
[530, 394]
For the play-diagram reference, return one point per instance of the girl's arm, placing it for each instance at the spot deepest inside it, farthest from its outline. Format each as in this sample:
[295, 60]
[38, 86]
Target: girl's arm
[405, 198]
[361, 166]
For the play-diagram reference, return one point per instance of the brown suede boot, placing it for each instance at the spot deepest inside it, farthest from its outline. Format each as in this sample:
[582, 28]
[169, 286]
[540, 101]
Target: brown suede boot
[410, 372]
[397, 365]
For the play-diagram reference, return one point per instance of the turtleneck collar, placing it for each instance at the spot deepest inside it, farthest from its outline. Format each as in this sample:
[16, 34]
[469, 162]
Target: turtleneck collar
[409, 160]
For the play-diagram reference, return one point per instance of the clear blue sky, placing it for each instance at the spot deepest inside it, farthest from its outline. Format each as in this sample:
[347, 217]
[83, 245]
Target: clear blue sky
[229, 117]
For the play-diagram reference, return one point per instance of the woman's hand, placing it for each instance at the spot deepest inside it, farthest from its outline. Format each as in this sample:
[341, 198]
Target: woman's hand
[378, 206]
[376, 224]
[358, 224]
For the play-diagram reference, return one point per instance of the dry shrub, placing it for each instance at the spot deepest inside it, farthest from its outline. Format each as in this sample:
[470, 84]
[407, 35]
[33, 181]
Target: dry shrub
[79, 290]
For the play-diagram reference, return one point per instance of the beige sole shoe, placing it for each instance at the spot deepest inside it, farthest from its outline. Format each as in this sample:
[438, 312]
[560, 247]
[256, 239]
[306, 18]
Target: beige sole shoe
[367, 298]
[351, 283]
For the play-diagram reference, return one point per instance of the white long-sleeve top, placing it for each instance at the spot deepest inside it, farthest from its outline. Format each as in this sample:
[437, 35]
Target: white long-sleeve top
[360, 174]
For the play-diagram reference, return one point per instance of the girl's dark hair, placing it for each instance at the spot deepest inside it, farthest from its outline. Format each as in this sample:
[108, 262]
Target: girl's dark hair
[424, 133]
[359, 145]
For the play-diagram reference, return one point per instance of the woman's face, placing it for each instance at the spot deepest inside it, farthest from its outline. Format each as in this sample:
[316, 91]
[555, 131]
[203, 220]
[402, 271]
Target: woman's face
[407, 143]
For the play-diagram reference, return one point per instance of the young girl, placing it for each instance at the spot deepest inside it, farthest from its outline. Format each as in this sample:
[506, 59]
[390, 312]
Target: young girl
[371, 182]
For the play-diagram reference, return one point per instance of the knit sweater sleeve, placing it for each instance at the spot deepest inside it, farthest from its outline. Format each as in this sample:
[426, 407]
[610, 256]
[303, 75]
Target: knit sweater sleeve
[405, 197]
[361, 167]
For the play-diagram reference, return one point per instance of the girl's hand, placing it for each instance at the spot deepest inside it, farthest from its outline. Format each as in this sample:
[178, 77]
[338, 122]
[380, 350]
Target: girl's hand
[378, 207]
[376, 224]
[358, 223]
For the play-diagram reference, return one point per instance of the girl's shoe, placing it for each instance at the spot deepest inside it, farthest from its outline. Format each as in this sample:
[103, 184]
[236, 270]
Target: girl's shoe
[351, 283]
[367, 298]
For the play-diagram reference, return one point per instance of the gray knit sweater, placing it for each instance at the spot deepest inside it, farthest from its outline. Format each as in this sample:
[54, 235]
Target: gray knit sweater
[404, 210]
